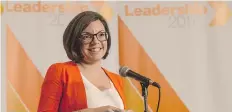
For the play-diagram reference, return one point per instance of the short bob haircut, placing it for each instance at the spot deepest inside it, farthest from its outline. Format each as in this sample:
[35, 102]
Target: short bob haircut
[71, 42]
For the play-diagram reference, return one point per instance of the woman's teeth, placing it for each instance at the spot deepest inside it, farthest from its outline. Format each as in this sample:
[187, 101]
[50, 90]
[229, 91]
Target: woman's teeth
[95, 49]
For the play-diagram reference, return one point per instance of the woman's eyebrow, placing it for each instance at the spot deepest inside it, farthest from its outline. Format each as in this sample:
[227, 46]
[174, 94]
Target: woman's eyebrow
[97, 32]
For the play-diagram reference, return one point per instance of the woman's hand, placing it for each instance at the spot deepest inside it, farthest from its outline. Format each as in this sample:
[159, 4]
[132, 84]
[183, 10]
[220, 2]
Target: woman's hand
[108, 109]
[104, 109]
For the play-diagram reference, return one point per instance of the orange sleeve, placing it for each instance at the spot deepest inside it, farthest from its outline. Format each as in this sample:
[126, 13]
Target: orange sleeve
[51, 90]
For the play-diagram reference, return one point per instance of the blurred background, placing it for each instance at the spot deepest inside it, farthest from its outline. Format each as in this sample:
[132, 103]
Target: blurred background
[184, 46]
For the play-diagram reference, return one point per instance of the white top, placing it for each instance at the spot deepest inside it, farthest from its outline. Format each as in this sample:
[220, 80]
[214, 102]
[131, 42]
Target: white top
[97, 98]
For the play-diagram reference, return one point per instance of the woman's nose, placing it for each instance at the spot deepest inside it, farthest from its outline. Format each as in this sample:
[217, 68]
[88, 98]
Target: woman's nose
[95, 39]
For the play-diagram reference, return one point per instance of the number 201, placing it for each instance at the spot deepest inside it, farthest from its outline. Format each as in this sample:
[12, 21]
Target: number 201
[179, 21]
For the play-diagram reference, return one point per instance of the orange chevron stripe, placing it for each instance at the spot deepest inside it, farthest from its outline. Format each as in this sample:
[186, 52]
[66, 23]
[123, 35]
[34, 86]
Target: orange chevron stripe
[222, 14]
[132, 54]
[1, 8]
[133, 100]
[13, 102]
[97, 4]
[22, 73]
[104, 9]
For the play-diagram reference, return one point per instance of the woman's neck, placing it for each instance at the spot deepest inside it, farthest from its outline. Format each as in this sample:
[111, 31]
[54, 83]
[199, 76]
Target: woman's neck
[90, 67]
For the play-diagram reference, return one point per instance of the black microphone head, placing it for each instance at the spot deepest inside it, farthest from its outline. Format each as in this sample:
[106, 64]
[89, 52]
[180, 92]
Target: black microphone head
[123, 71]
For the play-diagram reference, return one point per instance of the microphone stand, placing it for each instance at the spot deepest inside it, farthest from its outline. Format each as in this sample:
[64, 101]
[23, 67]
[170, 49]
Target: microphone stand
[145, 94]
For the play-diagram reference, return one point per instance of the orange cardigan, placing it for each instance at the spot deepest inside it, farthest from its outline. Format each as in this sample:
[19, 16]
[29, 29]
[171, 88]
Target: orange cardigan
[63, 89]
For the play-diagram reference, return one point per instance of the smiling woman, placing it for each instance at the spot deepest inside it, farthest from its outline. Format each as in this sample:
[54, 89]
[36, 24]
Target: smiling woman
[82, 84]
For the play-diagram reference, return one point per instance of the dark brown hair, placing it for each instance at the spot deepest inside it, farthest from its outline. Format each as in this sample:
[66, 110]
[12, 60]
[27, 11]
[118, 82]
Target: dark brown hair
[71, 42]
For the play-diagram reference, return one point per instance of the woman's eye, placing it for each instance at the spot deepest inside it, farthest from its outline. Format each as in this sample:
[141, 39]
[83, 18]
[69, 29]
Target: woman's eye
[85, 36]
[102, 34]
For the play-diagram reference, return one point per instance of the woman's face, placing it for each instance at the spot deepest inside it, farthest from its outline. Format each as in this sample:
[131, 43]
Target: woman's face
[94, 39]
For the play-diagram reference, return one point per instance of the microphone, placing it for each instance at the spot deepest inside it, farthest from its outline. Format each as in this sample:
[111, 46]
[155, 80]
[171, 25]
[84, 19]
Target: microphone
[126, 72]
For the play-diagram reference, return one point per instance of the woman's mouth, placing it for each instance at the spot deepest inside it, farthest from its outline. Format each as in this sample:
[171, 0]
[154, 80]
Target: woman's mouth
[95, 49]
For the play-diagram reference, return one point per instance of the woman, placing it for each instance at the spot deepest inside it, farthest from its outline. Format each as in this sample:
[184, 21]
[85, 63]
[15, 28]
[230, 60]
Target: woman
[82, 85]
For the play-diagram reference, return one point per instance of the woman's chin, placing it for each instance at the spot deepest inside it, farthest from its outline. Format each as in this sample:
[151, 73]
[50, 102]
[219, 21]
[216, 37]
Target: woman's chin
[94, 60]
